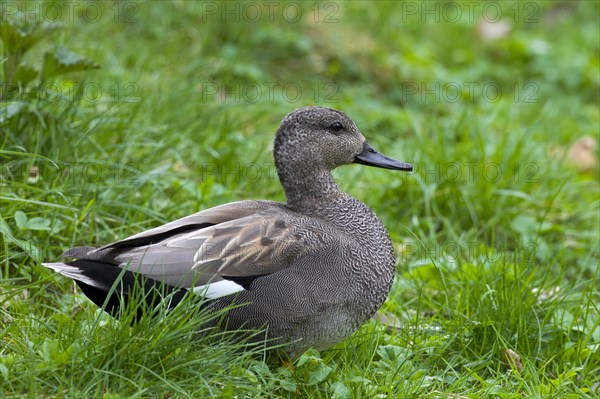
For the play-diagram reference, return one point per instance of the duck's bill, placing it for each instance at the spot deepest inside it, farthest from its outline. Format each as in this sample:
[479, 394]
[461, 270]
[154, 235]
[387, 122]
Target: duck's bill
[372, 157]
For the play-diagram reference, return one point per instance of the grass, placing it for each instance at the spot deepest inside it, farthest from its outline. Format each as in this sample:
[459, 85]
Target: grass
[496, 231]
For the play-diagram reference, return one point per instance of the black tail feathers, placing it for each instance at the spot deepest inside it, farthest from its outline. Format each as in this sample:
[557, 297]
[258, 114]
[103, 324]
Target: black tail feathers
[113, 288]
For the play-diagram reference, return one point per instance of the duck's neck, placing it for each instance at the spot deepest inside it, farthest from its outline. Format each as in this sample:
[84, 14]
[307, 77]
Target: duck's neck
[306, 190]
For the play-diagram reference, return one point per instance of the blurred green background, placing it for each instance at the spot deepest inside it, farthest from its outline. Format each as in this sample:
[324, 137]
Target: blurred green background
[119, 116]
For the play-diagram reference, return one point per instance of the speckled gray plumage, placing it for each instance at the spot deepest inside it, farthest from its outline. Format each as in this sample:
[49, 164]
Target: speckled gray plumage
[328, 293]
[314, 269]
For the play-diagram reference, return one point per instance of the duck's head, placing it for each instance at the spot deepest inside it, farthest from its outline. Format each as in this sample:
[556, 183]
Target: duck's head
[313, 139]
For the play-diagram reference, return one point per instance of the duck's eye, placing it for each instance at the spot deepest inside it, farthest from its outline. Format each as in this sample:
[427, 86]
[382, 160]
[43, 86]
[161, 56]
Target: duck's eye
[336, 126]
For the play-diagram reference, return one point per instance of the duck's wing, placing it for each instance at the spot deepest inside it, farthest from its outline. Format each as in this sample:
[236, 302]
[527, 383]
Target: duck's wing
[220, 250]
[196, 221]
[209, 217]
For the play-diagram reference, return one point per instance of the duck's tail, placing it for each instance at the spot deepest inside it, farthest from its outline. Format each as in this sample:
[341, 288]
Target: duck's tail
[112, 288]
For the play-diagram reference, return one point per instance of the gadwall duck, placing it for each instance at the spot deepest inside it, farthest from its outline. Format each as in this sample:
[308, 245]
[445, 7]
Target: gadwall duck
[310, 271]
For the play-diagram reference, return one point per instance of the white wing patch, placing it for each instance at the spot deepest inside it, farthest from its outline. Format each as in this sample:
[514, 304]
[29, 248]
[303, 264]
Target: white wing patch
[218, 289]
